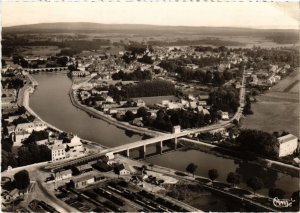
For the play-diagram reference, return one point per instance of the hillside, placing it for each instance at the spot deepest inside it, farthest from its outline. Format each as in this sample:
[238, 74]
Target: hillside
[139, 28]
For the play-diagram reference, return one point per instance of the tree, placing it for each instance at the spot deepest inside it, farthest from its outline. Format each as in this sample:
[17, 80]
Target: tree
[191, 168]
[142, 112]
[233, 178]
[296, 196]
[129, 116]
[213, 174]
[255, 183]
[258, 142]
[22, 179]
[275, 192]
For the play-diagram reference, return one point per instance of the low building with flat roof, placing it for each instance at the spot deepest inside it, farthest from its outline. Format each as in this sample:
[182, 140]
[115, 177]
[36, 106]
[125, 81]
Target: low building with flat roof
[287, 145]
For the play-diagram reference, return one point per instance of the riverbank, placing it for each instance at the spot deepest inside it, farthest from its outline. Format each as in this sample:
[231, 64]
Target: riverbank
[231, 154]
[222, 189]
[100, 115]
[24, 100]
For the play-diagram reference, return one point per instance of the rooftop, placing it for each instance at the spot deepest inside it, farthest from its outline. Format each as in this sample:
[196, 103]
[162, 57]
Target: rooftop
[287, 138]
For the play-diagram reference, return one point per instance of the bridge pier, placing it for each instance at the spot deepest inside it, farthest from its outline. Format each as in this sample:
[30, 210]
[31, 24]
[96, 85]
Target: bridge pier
[142, 151]
[159, 147]
[175, 143]
[127, 153]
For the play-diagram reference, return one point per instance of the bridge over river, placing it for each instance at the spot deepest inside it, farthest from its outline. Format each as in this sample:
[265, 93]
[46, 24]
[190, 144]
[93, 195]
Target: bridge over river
[158, 141]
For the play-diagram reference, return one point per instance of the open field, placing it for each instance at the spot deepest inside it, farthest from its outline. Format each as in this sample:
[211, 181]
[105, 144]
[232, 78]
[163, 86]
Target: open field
[278, 109]
[156, 99]
[40, 50]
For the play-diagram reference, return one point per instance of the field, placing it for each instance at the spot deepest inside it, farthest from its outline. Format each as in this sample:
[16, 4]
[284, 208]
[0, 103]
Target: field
[278, 109]
[39, 50]
[156, 99]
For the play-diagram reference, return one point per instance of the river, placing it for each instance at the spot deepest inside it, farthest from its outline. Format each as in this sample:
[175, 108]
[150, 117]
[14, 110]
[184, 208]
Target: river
[51, 102]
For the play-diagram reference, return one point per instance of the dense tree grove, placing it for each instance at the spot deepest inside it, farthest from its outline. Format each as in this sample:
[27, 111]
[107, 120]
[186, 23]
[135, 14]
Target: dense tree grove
[270, 56]
[22, 179]
[225, 99]
[33, 154]
[258, 142]
[7, 159]
[27, 154]
[255, 183]
[36, 136]
[136, 75]
[150, 88]
[12, 83]
[166, 119]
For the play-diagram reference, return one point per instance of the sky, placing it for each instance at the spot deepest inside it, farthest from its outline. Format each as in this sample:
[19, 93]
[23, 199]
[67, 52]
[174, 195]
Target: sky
[215, 14]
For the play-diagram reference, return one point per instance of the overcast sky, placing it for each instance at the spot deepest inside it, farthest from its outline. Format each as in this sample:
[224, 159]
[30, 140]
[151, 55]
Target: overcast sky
[226, 14]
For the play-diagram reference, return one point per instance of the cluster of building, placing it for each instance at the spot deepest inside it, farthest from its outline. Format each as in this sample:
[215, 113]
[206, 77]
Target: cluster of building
[267, 77]
[86, 174]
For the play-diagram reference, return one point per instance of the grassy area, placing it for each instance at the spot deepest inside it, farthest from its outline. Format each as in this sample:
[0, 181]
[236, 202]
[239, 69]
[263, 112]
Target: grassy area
[278, 109]
[156, 99]
[40, 50]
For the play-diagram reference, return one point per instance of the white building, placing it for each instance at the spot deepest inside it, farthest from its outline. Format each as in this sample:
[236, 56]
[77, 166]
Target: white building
[23, 131]
[176, 129]
[63, 175]
[223, 115]
[58, 152]
[75, 144]
[287, 145]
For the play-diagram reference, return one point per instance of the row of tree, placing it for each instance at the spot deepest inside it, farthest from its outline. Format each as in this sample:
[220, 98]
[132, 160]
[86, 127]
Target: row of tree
[137, 75]
[234, 179]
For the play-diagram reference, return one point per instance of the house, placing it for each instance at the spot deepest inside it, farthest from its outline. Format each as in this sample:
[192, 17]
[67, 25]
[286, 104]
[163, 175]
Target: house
[63, 175]
[39, 125]
[165, 102]
[20, 137]
[58, 152]
[223, 115]
[176, 129]
[140, 103]
[193, 104]
[122, 169]
[287, 145]
[203, 97]
[84, 168]
[109, 99]
[82, 182]
[75, 144]
[79, 73]
[202, 103]
[24, 127]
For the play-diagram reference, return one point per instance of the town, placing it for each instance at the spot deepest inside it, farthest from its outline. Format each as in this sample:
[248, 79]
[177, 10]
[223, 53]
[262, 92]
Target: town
[107, 125]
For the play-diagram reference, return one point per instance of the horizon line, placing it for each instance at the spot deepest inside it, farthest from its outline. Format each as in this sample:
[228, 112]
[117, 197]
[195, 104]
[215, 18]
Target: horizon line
[191, 26]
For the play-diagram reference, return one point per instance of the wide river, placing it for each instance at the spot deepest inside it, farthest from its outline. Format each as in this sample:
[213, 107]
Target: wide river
[51, 102]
